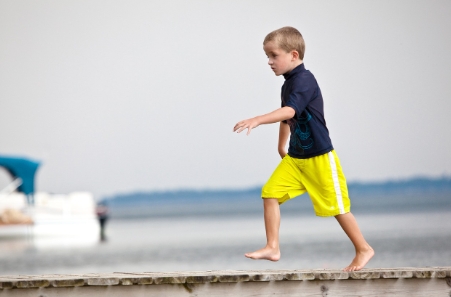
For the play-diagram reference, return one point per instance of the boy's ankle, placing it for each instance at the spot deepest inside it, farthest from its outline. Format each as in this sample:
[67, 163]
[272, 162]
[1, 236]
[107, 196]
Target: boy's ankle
[273, 246]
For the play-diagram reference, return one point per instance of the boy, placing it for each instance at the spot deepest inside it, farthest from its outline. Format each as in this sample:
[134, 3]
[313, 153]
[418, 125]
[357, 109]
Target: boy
[311, 164]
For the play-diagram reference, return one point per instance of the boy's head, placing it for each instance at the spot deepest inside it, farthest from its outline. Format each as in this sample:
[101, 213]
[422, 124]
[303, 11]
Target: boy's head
[288, 39]
[285, 49]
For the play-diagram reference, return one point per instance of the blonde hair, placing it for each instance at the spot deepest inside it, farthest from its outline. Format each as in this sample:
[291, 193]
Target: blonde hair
[288, 39]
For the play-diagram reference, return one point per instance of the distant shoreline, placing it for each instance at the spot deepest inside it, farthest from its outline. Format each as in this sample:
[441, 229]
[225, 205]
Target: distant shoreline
[409, 195]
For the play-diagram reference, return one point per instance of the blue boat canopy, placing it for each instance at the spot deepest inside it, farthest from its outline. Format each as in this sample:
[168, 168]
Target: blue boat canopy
[22, 168]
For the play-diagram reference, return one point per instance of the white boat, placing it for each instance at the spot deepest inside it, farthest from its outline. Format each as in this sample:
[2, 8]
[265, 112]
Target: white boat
[69, 218]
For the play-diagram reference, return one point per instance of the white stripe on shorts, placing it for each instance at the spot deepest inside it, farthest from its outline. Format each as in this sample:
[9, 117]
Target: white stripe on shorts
[333, 166]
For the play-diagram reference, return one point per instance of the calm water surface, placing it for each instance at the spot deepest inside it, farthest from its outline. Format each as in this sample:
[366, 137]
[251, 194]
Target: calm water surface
[180, 244]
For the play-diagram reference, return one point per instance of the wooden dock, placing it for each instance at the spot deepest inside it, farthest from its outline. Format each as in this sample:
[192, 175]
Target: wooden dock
[430, 281]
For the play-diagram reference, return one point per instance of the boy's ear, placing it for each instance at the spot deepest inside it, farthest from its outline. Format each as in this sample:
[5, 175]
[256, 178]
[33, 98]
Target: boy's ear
[295, 54]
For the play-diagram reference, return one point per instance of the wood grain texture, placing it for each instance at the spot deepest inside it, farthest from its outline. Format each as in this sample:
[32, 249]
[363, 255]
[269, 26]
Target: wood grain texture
[430, 281]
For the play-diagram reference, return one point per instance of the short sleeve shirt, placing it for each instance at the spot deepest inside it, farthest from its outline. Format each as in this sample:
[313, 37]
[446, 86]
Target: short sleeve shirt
[309, 134]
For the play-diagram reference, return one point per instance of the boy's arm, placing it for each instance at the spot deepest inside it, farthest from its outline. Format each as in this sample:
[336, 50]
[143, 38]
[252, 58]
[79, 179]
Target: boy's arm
[284, 132]
[277, 115]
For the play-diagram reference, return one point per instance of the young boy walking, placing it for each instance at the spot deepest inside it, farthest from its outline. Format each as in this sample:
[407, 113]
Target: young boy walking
[311, 164]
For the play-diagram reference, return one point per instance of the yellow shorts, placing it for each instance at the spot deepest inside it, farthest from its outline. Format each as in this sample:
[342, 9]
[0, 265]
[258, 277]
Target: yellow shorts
[321, 177]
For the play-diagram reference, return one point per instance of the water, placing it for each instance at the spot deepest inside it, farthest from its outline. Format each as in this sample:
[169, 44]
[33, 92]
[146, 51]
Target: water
[196, 244]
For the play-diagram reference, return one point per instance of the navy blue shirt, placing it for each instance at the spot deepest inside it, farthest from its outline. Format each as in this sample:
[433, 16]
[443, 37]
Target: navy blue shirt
[309, 134]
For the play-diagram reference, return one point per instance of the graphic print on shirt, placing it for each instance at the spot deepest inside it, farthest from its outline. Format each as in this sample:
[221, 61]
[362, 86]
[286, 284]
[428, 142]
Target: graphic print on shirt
[300, 137]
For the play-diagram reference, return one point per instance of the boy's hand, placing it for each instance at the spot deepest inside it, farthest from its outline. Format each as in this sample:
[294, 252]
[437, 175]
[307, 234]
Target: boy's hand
[248, 124]
[275, 116]
[282, 153]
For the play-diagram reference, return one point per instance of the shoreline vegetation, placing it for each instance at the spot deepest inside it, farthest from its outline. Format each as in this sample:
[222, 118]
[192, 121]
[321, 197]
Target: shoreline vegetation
[409, 195]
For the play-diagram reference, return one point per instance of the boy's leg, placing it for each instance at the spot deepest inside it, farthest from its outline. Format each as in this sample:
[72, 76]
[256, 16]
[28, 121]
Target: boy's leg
[272, 223]
[284, 184]
[325, 182]
[363, 250]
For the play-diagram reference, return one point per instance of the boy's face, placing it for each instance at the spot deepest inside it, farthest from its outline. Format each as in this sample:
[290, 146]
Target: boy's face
[280, 61]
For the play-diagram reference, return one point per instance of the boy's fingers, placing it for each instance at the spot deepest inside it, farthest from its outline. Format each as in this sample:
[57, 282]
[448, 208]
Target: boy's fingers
[239, 127]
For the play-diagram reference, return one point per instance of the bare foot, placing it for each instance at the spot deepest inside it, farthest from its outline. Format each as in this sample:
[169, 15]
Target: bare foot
[360, 260]
[266, 253]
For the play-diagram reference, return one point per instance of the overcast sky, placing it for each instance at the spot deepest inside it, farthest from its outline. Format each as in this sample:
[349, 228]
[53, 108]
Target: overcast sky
[122, 96]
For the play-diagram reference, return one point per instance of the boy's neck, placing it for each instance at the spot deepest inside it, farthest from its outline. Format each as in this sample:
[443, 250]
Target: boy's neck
[295, 64]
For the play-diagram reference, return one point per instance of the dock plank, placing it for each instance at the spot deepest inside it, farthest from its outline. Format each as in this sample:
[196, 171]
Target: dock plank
[427, 281]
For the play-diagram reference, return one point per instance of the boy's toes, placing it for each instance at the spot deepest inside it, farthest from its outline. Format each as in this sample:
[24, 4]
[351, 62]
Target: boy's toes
[352, 268]
[360, 260]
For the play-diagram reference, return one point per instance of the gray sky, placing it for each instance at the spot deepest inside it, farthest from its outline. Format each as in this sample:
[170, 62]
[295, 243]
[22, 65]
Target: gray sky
[119, 96]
